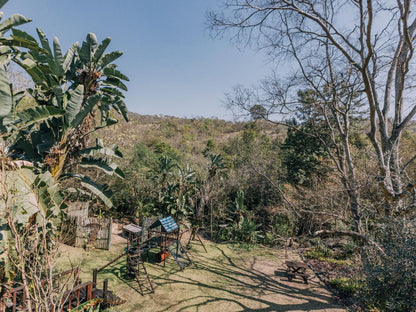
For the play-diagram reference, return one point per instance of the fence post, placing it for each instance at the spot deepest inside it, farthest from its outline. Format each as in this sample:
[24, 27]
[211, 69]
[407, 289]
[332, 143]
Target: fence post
[109, 234]
[94, 278]
[89, 292]
[70, 301]
[105, 291]
[76, 276]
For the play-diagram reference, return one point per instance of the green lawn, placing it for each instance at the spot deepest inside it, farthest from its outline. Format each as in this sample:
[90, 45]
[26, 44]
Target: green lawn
[224, 279]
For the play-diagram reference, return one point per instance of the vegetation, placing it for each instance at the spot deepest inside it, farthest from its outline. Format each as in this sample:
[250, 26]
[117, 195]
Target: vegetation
[43, 145]
[311, 174]
[345, 286]
[223, 279]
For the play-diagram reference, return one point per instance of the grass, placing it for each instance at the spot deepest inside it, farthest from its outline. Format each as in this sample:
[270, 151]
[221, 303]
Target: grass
[224, 279]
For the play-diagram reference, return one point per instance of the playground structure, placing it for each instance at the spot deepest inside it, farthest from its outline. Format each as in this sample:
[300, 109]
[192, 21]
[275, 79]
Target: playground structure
[163, 233]
[156, 232]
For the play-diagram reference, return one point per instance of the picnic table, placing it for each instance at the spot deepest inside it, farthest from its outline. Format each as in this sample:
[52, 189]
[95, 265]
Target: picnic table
[295, 268]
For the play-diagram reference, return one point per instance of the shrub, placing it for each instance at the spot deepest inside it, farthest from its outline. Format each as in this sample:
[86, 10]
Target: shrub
[319, 252]
[285, 225]
[390, 267]
[346, 286]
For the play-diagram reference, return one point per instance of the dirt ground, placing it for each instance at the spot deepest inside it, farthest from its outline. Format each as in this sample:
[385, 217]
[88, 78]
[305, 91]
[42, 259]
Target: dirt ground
[224, 279]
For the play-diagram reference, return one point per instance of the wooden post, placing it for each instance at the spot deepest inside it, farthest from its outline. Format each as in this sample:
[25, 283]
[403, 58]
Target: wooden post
[109, 234]
[89, 292]
[76, 275]
[15, 300]
[94, 278]
[78, 296]
[105, 291]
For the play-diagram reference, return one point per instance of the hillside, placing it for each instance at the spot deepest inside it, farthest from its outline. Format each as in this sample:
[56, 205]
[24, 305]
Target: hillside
[187, 136]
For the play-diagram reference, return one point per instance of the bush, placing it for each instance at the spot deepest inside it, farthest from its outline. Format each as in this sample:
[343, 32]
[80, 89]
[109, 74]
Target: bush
[319, 252]
[390, 267]
[285, 225]
[346, 286]
[244, 232]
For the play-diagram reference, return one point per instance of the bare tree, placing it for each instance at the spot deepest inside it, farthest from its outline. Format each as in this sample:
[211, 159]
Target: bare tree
[342, 50]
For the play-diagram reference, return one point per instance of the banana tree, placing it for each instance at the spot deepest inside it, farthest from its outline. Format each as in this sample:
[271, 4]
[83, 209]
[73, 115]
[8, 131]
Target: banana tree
[37, 144]
[97, 73]
[81, 82]
[187, 187]
[29, 201]
[19, 38]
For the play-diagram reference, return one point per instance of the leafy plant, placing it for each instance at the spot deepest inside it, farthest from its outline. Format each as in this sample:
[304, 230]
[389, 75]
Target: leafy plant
[346, 286]
[69, 89]
[40, 144]
[390, 267]
[242, 228]
[320, 251]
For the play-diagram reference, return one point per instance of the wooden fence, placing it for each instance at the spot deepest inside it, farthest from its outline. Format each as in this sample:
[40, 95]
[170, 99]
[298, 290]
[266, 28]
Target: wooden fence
[92, 232]
[67, 279]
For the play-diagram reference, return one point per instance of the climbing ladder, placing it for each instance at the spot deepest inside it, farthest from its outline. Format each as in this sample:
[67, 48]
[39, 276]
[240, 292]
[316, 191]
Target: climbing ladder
[136, 269]
[179, 254]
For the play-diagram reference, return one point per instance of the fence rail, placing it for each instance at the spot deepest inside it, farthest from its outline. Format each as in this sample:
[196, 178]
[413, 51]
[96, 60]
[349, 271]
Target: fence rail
[18, 294]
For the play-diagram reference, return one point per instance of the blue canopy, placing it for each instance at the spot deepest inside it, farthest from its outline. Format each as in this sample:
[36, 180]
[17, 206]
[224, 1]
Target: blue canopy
[168, 224]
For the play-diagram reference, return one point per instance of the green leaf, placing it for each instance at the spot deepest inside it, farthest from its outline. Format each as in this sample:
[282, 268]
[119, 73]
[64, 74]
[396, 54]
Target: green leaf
[99, 190]
[85, 110]
[31, 116]
[101, 150]
[3, 2]
[20, 42]
[111, 91]
[74, 105]
[5, 54]
[121, 107]
[59, 60]
[100, 49]
[108, 58]
[12, 21]
[24, 204]
[31, 68]
[57, 90]
[44, 41]
[110, 81]
[6, 102]
[87, 48]
[50, 199]
[102, 191]
[69, 56]
[102, 164]
[92, 41]
[112, 72]
[17, 33]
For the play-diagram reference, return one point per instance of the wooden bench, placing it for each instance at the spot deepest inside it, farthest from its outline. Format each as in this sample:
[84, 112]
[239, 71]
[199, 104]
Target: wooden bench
[297, 269]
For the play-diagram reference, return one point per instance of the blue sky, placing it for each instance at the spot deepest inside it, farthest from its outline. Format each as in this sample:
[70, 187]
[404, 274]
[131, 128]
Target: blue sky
[175, 67]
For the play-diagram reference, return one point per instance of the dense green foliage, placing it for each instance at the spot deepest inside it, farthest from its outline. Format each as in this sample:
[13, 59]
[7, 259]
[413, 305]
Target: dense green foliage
[44, 144]
[391, 267]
